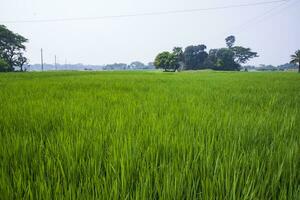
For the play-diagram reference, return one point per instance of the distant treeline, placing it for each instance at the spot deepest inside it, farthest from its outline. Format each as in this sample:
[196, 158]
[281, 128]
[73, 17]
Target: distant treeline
[141, 66]
[137, 65]
[262, 67]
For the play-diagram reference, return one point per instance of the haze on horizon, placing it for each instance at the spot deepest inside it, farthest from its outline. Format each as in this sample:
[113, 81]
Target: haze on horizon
[272, 30]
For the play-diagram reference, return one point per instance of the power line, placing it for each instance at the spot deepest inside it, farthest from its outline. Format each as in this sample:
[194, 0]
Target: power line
[144, 14]
[258, 19]
[265, 15]
[281, 10]
[261, 16]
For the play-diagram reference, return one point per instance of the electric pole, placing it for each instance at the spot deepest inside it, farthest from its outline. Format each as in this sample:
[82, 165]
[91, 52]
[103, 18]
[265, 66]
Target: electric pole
[55, 62]
[42, 60]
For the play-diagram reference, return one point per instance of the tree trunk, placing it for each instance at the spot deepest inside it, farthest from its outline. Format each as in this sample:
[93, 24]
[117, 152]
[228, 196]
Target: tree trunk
[11, 67]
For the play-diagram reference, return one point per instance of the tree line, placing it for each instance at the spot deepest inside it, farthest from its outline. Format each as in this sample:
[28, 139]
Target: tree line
[196, 57]
[230, 58]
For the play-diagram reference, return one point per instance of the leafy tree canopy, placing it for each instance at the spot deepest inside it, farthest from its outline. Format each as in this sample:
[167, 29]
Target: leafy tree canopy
[169, 61]
[225, 60]
[177, 57]
[242, 54]
[194, 57]
[229, 58]
[12, 48]
[162, 60]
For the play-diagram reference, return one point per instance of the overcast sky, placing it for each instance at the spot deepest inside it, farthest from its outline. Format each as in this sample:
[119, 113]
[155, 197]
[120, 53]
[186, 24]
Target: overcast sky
[275, 36]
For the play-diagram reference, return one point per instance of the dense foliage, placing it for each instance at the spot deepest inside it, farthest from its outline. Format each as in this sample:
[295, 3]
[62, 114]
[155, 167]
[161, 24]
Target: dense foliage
[149, 135]
[4, 66]
[169, 61]
[196, 57]
[12, 49]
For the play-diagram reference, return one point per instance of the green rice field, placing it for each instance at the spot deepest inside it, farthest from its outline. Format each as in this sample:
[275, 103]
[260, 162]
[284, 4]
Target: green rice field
[150, 135]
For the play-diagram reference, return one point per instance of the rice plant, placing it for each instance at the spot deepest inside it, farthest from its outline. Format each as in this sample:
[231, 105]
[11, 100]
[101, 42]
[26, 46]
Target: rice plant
[149, 135]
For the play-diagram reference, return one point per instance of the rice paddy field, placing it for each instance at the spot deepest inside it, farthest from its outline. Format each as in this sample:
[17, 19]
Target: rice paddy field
[149, 135]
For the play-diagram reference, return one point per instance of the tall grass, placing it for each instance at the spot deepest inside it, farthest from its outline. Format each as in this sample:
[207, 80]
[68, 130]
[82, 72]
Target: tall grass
[143, 135]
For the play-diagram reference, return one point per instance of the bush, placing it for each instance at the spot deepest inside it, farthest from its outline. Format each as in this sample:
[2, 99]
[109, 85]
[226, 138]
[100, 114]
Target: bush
[4, 66]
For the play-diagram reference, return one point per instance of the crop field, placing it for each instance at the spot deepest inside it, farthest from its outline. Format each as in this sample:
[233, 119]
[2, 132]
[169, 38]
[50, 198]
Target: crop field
[149, 135]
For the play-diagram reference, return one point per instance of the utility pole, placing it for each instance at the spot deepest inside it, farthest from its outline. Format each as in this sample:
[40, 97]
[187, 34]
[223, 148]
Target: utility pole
[66, 64]
[55, 62]
[42, 60]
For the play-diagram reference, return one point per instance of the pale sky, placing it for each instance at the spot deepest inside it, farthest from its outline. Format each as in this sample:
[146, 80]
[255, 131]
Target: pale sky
[275, 36]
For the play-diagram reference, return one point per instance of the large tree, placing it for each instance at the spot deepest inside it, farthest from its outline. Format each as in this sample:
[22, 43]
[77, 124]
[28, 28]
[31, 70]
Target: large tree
[225, 60]
[162, 60]
[194, 57]
[242, 54]
[169, 61]
[222, 59]
[178, 52]
[296, 59]
[229, 58]
[12, 48]
[211, 61]
[178, 57]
